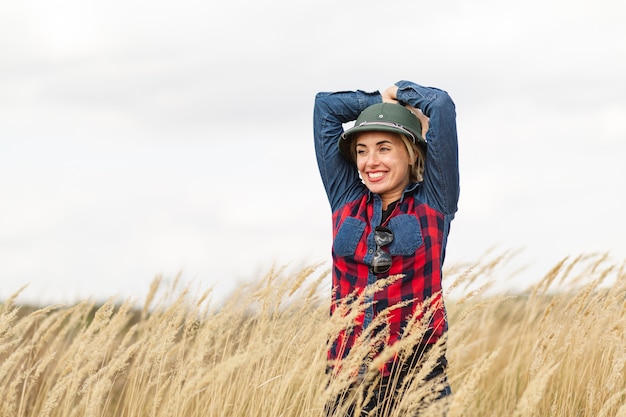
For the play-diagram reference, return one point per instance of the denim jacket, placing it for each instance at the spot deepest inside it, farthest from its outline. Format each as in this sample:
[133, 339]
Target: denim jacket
[420, 222]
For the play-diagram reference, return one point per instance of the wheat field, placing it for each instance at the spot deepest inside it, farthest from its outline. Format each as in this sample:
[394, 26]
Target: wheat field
[555, 349]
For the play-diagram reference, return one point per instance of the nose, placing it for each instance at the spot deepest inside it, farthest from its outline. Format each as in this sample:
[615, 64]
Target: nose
[372, 159]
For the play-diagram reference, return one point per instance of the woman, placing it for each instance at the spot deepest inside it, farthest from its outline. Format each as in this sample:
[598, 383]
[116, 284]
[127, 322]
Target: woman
[392, 181]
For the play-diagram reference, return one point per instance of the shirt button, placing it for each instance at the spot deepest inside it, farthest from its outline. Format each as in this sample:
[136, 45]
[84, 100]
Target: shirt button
[371, 250]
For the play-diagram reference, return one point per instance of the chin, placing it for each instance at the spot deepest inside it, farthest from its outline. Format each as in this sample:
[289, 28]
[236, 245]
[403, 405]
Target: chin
[375, 189]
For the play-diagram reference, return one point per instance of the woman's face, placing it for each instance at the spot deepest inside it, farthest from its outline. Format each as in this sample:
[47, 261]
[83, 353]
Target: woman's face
[383, 162]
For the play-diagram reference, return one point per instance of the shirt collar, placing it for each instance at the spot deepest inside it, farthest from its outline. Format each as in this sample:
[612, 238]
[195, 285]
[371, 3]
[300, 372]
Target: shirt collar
[408, 190]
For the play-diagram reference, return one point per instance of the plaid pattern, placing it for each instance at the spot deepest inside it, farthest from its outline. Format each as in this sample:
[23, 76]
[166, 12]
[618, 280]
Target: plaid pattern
[421, 268]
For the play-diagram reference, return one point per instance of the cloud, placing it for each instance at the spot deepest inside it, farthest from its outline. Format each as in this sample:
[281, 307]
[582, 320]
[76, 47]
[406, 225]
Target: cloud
[139, 138]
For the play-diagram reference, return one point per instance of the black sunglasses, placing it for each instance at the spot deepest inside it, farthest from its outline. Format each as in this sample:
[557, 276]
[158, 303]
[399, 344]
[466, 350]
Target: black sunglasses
[381, 262]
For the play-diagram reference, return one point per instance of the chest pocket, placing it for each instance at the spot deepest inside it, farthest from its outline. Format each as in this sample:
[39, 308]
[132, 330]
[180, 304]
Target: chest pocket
[407, 235]
[348, 236]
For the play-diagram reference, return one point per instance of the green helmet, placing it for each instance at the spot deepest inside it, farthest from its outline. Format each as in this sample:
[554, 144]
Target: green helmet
[387, 117]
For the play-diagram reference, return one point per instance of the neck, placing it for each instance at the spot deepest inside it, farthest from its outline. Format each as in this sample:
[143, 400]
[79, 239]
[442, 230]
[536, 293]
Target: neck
[388, 199]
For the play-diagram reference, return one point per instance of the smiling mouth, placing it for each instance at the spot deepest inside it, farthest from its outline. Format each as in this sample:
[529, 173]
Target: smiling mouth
[375, 175]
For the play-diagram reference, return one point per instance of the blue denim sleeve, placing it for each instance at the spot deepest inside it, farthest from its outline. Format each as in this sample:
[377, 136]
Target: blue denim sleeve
[441, 171]
[340, 177]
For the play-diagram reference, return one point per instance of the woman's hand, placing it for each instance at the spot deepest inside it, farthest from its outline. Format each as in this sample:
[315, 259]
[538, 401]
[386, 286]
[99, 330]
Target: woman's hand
[389, 95]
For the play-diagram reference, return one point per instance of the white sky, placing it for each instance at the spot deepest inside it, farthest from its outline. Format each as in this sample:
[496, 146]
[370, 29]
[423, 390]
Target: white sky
[141, 138]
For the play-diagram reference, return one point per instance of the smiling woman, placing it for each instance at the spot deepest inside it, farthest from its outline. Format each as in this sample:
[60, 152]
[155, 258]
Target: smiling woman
[387, 145]
[393, 186]
[383, 162]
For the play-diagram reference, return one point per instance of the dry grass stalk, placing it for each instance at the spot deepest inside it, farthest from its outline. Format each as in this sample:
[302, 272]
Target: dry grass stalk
[557, 349]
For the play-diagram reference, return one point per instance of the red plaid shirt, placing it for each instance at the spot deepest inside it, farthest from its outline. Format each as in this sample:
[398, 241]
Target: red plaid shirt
[420, 221]
[416, 255]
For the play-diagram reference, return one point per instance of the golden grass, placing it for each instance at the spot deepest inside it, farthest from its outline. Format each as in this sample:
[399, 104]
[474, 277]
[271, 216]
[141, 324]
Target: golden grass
[558, 349]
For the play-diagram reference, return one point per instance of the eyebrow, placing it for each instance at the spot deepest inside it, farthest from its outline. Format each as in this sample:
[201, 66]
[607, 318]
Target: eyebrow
[377, 143]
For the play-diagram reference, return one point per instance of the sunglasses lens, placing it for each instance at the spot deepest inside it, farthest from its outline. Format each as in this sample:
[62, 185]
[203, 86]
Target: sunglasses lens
[383, 236]
[381, 262]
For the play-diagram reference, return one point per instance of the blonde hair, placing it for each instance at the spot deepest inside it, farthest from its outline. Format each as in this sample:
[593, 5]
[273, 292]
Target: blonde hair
[416, 153]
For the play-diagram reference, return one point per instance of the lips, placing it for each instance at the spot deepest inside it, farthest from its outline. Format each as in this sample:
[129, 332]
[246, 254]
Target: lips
[375, 176]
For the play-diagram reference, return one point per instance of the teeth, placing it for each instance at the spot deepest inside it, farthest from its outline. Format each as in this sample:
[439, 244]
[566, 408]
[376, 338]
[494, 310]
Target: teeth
[376, 174]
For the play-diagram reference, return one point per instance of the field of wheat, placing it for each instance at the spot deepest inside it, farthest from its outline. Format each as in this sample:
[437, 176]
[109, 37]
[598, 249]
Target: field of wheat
[555, 349]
